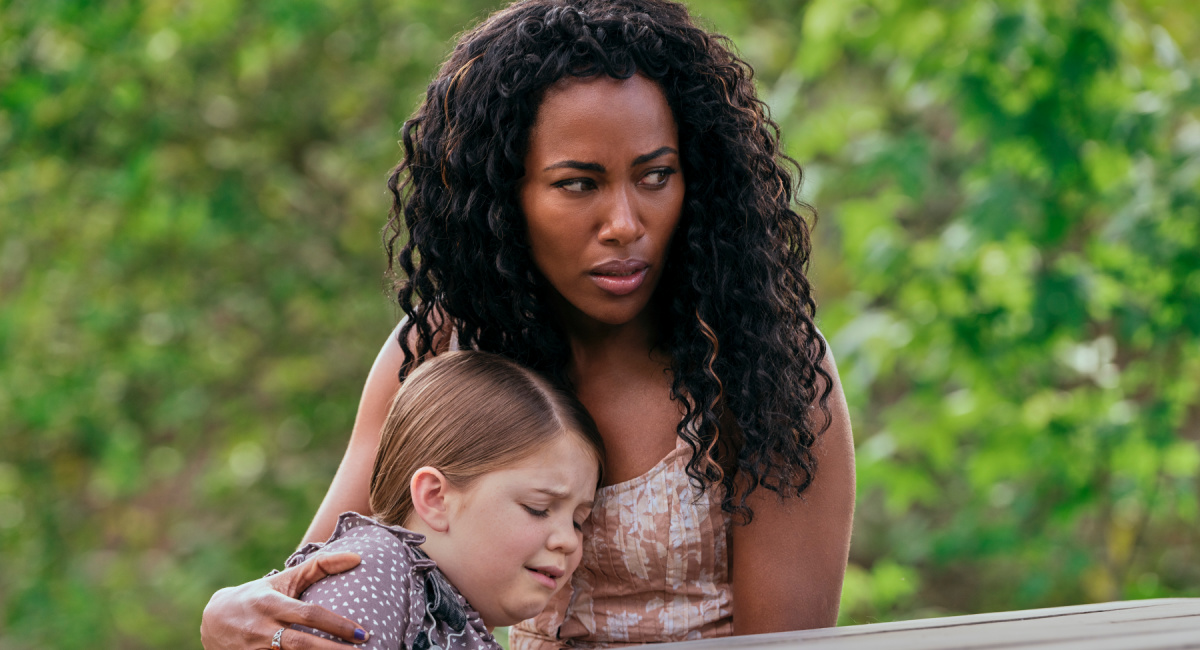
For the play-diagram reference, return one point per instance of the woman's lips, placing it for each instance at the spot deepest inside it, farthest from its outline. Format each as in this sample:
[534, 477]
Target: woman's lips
[619, 277]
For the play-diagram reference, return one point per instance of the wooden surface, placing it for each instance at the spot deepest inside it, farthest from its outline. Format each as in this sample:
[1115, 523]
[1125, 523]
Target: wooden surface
[1142, 624]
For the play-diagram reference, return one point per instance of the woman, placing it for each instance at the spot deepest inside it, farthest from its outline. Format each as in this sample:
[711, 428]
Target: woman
[593, 189]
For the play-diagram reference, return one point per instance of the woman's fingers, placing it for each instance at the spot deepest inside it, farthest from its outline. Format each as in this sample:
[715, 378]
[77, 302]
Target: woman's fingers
[297, 640]
[294, 581]
[247, 616]
[319, 618]
[243, 617]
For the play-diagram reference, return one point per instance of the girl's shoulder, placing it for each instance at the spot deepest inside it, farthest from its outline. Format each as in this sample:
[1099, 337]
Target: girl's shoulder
[354, 531]
[396, 591]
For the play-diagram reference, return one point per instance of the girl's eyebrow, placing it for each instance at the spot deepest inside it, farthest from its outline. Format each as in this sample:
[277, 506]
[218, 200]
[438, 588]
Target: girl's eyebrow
[559, 493]
[598, 168]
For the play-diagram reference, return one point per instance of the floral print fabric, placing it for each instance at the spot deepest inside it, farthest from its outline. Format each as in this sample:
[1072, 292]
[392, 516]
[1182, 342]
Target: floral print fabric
[655, 568]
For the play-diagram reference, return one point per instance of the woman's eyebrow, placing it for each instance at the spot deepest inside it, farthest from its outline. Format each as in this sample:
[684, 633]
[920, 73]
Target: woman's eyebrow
[575, 164]
[599, 169]
[647, 157]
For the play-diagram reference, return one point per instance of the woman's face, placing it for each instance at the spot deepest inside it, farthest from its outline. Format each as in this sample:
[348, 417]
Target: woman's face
[602, 193]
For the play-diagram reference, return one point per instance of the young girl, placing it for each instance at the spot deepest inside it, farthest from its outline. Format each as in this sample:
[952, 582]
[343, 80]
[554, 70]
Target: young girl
[483, 478]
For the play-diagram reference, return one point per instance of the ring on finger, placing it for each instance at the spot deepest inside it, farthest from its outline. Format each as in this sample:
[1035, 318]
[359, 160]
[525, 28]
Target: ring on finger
[277, 640]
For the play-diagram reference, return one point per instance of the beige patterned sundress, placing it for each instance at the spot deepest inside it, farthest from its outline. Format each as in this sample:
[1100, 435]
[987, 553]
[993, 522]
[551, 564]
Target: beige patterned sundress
[655, 568]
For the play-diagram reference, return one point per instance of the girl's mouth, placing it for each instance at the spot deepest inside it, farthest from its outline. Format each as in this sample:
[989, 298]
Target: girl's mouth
[545, 576]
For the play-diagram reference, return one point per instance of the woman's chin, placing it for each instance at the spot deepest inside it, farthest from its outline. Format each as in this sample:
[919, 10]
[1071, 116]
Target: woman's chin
[610, 312]
[609, 319]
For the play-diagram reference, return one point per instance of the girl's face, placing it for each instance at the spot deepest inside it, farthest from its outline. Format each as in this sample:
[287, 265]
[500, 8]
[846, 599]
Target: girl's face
[514, 535]
[602, 193]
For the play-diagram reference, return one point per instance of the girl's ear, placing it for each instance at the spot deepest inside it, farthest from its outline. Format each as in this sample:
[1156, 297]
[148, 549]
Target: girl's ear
[430, 495]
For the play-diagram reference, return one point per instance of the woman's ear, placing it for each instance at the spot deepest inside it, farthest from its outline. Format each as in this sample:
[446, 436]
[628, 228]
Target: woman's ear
[430, 496]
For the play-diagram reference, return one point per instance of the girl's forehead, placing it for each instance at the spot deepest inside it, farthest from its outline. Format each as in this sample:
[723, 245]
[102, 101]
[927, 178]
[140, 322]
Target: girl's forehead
[560, 462]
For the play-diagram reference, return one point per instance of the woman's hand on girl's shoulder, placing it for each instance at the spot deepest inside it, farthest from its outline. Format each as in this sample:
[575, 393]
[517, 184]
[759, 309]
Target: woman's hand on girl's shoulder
[249, 615]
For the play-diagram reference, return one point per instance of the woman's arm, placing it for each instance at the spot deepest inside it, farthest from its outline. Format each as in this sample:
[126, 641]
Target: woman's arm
[350, 490]
[788, 564]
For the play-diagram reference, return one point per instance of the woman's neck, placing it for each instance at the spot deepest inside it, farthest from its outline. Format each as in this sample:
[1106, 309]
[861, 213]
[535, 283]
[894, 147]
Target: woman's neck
[596, 347]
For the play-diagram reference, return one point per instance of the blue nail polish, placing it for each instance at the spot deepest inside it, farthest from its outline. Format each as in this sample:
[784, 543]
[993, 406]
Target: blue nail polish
[360, 634]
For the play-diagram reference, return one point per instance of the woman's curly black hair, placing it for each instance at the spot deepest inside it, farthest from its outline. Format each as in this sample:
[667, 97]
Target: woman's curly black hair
[745, 353]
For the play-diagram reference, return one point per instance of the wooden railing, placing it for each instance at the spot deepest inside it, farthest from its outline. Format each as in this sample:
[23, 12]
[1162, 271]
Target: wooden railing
[1140, 624]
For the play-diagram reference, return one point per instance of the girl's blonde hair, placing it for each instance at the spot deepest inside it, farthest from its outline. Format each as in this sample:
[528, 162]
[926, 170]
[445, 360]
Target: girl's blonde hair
[467, 413]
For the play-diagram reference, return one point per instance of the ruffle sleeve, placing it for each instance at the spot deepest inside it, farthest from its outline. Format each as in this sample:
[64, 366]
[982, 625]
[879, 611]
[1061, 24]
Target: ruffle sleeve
[395, 593]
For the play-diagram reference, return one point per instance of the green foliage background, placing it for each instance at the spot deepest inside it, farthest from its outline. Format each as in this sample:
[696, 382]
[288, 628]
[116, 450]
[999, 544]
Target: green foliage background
[1008, 265]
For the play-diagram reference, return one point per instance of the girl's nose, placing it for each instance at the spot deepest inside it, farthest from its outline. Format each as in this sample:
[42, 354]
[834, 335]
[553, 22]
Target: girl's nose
[564, 537]
[622, 225]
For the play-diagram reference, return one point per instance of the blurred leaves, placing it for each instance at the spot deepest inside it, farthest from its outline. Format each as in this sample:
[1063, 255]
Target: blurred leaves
[190, 291]
[1008, 258]
[1008, 265]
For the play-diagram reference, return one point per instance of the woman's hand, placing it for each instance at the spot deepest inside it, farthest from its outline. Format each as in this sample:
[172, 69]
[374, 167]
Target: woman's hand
[246, 617]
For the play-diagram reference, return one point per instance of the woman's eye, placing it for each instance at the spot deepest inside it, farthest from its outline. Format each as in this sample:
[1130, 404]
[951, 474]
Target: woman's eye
[579, 525]
[657, 177]
[537, 513]
[576, 184]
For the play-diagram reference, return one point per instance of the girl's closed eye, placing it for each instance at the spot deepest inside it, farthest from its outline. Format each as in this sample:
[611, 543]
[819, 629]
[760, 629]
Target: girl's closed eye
[541, 514]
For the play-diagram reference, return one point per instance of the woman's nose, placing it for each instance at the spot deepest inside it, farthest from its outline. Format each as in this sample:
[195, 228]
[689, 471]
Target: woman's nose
[622, 225]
